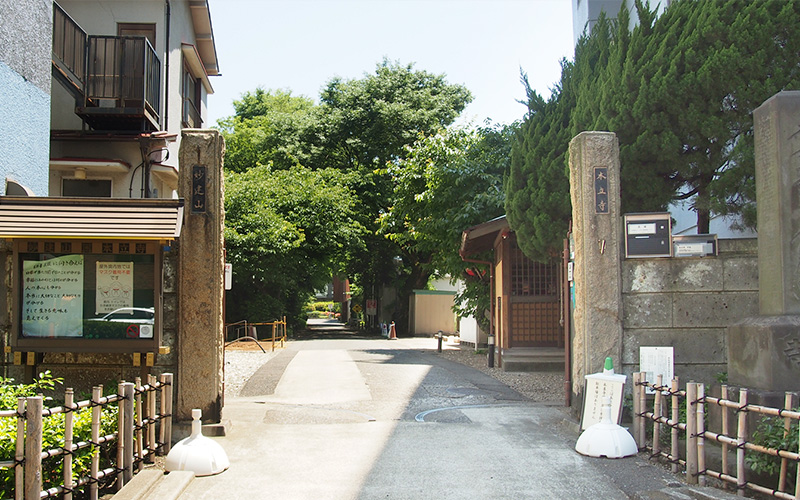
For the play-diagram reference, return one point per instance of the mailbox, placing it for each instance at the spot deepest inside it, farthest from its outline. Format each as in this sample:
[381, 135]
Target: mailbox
[648, 235]
[695, 245]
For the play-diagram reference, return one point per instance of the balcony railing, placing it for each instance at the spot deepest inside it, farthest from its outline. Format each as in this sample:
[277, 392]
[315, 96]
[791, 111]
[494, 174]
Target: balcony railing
[123, 81]
[69, 48]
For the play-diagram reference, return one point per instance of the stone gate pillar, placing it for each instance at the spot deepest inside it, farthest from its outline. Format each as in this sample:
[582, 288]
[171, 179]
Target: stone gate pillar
[596, 228]
[201, 268]
[764, 351]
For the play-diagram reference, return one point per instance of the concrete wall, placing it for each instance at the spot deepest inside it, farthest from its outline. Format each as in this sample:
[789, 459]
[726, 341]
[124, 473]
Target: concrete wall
[687, 303]
[25, 46]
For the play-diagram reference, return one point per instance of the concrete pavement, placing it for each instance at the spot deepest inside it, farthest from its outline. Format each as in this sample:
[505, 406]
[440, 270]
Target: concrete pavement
[368, 419]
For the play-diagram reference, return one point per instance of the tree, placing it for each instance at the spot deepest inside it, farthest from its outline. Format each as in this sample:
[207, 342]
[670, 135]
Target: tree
[286, 234]
[445, 183]
[361, 126]
[679, 91]
[266, 130]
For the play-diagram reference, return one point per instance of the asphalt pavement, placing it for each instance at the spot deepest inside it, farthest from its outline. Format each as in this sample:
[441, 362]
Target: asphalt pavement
[339, 416]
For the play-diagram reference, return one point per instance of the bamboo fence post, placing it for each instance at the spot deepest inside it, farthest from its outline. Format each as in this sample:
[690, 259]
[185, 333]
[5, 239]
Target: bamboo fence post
[797, 477]
[151, 419]
[121, 424]
[741, 438]
[657, 414]
[642, 395]
[788, 403]
[97, 393]
[691, 433]
[138, 413]
[69, 399]
[19, 469]
[637, 379]
[162, 428]
[274, 328]
[725, 428]
[127, 403]
[675, 415]
[166, 394]
[33, 447]
[699, 415]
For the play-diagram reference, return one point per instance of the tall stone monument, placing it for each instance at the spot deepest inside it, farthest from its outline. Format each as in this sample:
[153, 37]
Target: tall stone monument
[764, 351]
[596, 226]
[201, 269]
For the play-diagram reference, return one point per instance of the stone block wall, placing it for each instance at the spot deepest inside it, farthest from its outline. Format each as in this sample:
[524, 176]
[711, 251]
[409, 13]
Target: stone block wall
[688, 303]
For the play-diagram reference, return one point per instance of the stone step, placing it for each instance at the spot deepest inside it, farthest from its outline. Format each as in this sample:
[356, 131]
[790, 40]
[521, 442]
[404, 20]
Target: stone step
[151, 484]
[547, 359]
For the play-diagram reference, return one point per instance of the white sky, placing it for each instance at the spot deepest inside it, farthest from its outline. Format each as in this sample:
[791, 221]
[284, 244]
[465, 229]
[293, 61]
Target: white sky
[300, 45]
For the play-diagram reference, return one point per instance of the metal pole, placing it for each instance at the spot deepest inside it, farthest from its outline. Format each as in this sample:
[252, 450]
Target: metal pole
[491, 350]
[439, 336]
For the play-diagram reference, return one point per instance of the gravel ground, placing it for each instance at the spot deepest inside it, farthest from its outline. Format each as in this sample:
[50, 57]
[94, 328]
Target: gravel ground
[536, 386]
[241, 362]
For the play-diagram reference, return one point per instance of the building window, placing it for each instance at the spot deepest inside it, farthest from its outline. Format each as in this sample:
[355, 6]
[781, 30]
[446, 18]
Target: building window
[190, 96]
[86, 188]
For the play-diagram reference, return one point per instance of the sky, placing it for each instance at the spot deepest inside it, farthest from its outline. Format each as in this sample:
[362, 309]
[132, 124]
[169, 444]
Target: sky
[300, 45]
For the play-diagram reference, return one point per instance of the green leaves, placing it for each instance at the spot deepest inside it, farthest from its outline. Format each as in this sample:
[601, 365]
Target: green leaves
[286, 232]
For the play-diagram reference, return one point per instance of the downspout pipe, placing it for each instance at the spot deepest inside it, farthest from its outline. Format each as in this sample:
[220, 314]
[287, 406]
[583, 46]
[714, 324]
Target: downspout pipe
[168, 21]
[491, 292]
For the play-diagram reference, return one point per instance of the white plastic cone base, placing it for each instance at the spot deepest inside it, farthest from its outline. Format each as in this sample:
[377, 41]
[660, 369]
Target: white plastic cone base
[197, 453]
[605, 438]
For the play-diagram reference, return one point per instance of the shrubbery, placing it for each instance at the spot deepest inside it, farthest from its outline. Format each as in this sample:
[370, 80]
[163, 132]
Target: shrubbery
[52, 434]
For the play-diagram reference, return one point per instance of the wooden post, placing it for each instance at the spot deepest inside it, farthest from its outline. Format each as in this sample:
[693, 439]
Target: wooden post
[97, 393]
[19, 469]
[69, 398]
[138, 412]
[691, 433]
[674, 416]
[33, 447]
[657, 414]
[127, 403]
[701, 428]
[151, 416]
[788, 404]
[642, 395]
[121, 424]
[637, 409]
[725, 428]
[741, 437]
[166, 396]
[797, 479]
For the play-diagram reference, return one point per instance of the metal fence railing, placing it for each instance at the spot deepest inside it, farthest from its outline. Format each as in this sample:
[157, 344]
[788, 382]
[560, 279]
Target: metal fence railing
[274, 332]
[685, 413]
[144, 428]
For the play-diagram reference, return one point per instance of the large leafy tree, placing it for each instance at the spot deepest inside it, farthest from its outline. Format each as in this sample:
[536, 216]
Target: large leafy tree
[361, 126]
[267, 129]
[445, 183]
[358, 128]
[286, 233]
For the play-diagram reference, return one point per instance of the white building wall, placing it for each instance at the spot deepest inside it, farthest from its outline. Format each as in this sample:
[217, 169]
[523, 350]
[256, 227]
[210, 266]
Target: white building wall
[25, 47]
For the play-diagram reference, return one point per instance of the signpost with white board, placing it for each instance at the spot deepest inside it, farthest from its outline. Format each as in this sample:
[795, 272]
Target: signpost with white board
[597, 387]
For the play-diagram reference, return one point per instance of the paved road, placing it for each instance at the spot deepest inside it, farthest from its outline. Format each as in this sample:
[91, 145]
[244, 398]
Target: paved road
[350, 418]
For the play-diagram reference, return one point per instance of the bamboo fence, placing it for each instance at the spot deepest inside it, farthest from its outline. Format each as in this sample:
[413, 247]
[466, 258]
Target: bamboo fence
[144, 428]
[731, 441]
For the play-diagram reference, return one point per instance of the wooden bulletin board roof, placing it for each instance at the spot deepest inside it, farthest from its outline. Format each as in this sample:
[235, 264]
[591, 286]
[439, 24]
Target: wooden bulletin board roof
[106, 218]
